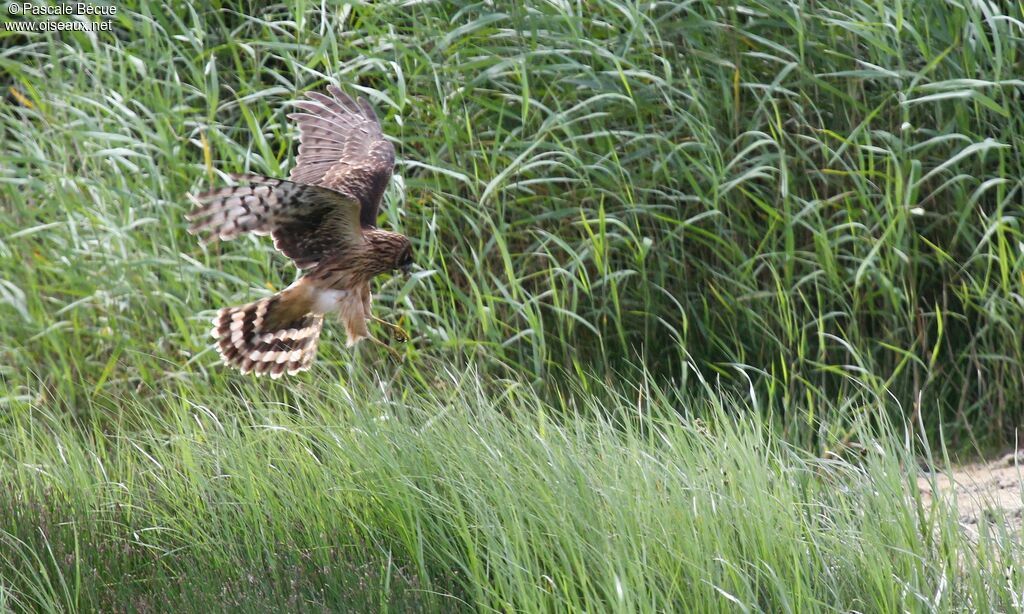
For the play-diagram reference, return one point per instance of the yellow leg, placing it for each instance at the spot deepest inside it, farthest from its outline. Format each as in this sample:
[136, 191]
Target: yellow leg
[397, 331]
[394, 353]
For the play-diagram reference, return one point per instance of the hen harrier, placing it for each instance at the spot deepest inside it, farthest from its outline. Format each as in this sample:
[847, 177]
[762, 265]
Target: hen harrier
[323, 219]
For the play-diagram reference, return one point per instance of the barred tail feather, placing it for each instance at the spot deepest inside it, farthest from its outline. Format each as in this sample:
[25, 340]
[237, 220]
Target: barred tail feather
[268, 336]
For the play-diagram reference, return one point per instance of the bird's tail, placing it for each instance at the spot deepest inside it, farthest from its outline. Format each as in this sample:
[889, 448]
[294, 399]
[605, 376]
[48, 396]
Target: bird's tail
[274, 335]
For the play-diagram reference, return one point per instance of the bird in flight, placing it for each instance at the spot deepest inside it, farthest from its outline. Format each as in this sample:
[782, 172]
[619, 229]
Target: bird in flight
[324, 218]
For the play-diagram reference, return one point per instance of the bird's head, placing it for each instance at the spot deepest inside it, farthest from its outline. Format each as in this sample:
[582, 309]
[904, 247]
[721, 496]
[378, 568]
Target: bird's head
[404, 261]
[391, 251]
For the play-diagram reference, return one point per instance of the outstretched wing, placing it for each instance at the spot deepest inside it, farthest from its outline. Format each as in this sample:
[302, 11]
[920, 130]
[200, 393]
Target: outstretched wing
[306, 221]
[342, 148]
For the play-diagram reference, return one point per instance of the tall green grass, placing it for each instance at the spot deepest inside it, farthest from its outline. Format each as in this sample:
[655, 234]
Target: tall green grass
[461, 499]
[791, 222]
[820, 200]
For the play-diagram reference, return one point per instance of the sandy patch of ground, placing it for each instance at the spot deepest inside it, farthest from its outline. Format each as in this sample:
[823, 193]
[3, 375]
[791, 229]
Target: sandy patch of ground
[981, 489]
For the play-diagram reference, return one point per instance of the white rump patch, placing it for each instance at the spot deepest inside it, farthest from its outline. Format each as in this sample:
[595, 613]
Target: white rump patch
[327, 301]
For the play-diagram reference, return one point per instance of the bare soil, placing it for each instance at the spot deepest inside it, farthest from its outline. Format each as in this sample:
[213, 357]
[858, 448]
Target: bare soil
[983, 491]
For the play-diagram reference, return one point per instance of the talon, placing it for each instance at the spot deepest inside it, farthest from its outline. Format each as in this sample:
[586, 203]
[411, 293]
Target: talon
[397, 332]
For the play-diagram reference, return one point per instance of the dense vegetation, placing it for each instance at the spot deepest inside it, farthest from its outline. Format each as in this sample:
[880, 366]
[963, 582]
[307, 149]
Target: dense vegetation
[674, 262]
